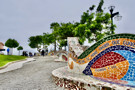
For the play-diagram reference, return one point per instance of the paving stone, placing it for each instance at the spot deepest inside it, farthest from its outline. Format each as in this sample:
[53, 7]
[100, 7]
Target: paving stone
[36, 75]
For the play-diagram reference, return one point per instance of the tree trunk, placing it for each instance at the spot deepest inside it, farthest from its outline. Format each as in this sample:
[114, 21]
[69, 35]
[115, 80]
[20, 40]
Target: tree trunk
[10, 51]
[65, 48]
[60, 48]
[19, 52]
[55, 46]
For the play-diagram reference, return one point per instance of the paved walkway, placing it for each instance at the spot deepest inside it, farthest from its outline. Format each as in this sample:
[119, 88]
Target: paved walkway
[35, 75]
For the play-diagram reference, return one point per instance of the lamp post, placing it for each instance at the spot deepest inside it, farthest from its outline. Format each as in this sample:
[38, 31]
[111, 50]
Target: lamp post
[116, 15]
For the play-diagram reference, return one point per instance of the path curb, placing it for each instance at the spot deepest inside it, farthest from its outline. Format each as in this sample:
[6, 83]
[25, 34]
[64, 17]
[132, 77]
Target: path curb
[15, 65]
[3, 67]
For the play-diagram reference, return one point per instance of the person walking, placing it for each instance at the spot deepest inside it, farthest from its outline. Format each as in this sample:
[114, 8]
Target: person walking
[47, 51]
[8, 51]
[43, 53]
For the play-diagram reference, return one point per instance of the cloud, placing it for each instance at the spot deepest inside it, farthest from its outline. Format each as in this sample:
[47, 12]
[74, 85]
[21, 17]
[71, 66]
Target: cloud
[20, 19]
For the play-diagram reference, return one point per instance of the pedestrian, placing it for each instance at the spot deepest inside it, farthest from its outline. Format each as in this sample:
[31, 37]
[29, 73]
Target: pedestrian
[46, 51]
[8, 51]
[26, 54]
[23, 53]
[43, 53]
[30, 54]
[34, 54]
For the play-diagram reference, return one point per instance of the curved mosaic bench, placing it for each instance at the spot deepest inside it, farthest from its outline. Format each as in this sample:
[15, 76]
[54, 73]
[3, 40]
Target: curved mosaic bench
[51, 53]
[61, 51]
[110, 59]
[73, 81]
[62, 56]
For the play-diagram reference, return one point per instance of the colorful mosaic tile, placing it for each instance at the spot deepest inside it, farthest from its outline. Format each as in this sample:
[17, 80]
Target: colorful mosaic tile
[117, 81]
[112, 57]
[64, 57]
[115, 36]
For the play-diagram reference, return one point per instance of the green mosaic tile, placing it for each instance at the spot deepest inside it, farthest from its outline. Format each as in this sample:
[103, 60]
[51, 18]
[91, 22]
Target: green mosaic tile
[115, 36]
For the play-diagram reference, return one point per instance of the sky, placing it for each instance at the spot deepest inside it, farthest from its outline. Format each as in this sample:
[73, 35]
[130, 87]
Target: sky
[20, 19]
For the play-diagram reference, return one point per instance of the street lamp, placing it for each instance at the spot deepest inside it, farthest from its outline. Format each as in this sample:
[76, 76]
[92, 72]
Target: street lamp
[116, 16]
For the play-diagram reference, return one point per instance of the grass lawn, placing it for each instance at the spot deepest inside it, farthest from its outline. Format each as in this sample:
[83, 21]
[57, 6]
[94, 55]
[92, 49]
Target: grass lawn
[4, 59]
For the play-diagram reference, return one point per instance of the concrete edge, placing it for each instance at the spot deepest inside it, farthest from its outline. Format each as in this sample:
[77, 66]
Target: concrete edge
[69, 82]
[5, 66]
[57, 60]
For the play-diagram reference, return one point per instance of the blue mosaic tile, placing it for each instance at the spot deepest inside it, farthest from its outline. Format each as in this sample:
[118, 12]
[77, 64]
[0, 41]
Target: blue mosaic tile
[121, 51]
[113, 48]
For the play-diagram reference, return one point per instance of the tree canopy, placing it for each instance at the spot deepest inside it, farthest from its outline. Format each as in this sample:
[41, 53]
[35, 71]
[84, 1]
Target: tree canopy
[20, 48]
[11, 43]
[35, 41]
[47, 38]
[94, 25]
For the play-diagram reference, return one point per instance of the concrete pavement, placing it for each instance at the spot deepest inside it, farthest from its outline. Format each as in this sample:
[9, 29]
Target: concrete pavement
[35, 75]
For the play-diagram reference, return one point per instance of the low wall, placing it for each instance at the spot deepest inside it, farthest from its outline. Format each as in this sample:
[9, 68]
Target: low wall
[110, 59]
[72, 81]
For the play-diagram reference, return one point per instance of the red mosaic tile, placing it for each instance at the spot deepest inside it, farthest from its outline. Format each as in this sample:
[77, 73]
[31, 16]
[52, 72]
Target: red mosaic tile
[108, 59]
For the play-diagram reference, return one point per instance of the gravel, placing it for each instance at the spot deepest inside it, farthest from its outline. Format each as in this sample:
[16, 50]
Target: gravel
[35, 75]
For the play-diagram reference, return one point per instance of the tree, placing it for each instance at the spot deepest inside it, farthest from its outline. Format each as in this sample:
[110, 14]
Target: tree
[19, 48]
[54, 26]
[11, 43]
[35, 42]
[94, 26]
[63, 43]
[65, 30]
[47, 39]
[99, 8]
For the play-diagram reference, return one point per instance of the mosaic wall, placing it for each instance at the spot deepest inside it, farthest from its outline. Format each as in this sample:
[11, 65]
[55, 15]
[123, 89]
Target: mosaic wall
[75, 85]
[62, 55]
[51, 53]
[75, 48]
[112, 57]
